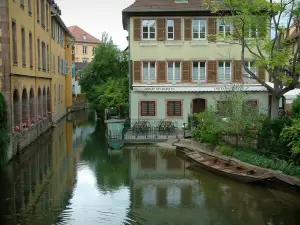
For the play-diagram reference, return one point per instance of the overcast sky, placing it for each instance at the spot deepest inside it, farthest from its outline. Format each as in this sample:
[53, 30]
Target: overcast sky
[97, 16]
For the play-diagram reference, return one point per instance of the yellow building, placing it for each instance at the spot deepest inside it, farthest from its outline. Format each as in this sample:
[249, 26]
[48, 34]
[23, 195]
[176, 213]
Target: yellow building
[85, 44]
[36, 58]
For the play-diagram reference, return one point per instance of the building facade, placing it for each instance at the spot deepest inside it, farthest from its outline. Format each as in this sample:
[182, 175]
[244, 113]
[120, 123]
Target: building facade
[84, 51]
[178, 66]
[36, 56]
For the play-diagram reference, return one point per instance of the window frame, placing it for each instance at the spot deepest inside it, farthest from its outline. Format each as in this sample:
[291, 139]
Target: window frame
[199, 27]
[23, 43]
[14, 42]
[174, 101]
[29, 7]
[30, 39]
[148, 32]
[84, 50]
[39, 53]
[198, 70]
[38, 10]
[42, 4]
[167, 29]
[218, 28]
[94, 51]
[44, 63]
[148, 113]
[224, 70]
[149, 68]
[174, 69]
[249, 77]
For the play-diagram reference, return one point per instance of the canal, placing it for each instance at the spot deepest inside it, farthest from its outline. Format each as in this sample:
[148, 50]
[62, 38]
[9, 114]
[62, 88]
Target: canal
[69, 176]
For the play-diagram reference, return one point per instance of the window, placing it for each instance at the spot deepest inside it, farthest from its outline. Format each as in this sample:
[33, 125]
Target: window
[250, 107]
[149, 71]
[47, 16]
[53, 29]
[174, 71]
[23, 47]
[29, 7]
[22, 4]
[250, 65]
[43, 56]
[58, 94]
[53, 63]
[39, 54]
[30, 51]
[14, 42]
[84, 37]
[148, 108]
[43, 13]
[38, 10]
[199, 29]
[55, 93]
[48, 59]
[84, 50]
[62, 66]
[149, 27]
[62, 93]
[85, 60]
[94, 51]
[224, 28]
[58, 64]
[170, 29]
[224, 71]
[199, 71]
[174, 108]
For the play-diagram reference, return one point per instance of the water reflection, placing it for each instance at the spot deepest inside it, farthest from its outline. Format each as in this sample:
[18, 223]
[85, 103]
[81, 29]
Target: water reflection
[69, 176]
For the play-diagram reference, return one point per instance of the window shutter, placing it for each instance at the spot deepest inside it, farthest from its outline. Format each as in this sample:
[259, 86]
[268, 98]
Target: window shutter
[211, 71]
[161, 29]
[161, 71]
[170, 108]
[137, 71]
[144, 108]
[177, 108]
[237, 71]
[262, 73]
[137, 29]
[186, 71]
[177, 29]
[151, 108]
[212, 29]
[187, 29]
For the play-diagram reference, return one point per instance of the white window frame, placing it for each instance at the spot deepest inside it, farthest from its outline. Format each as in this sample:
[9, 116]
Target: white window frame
[149, 67]
[247, 76]
[173, 33]
[199, 28]
[224, 25]
[224, 71]
[173, 70]
[148, 32]
[84, 50]
[198, 74]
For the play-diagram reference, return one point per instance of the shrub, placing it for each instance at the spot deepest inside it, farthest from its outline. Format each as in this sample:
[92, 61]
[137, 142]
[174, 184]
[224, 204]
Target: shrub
[295, 110]
[291, 136]
[4, 135]
[269, 136]
[226, 150]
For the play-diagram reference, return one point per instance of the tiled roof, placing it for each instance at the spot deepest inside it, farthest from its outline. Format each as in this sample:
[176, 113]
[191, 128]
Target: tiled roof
[165, 5]
[80, 65]
[78, 33]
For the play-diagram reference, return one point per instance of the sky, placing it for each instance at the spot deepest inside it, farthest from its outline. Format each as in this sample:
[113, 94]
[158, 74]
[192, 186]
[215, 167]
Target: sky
[96, 17]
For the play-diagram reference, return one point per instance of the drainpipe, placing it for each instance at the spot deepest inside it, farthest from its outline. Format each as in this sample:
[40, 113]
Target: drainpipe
[129, 69]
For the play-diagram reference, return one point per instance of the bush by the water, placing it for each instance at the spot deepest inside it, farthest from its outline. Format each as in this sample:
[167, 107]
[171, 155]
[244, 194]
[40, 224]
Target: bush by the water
[226, 150]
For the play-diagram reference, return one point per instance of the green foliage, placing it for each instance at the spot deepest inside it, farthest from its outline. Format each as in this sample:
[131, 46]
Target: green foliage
[4, 132]
[269, 136]
[254, 158]
[295, 110]
[226, 150]
[291, 136]
[104, 79]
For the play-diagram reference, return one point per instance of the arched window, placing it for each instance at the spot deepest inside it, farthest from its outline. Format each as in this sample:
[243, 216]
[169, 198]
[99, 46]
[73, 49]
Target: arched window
[25, 108]
[16, 108]
[31, 106]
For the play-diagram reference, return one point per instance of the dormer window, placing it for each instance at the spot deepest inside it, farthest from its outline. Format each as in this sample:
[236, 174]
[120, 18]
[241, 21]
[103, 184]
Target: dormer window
[84, 37]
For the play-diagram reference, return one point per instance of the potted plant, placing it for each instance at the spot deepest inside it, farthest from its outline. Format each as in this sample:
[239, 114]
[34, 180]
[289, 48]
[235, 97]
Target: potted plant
[25, 125]
[16, 129]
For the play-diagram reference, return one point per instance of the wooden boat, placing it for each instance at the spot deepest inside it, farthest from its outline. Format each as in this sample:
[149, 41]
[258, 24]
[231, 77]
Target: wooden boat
[226, 168]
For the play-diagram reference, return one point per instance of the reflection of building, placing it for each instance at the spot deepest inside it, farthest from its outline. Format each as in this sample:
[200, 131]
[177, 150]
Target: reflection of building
[161, 183]
[44, 178]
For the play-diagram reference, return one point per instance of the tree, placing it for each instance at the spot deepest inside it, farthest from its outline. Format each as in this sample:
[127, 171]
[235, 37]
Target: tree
[4, 132]
[105, 77]
[250, 19]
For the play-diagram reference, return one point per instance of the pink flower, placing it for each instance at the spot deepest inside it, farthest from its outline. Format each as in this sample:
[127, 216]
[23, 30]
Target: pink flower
[39, 117]
[24, 124]
[16, 129]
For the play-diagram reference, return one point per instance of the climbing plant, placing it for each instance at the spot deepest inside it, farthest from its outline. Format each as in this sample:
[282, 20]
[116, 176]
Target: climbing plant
[4, 132]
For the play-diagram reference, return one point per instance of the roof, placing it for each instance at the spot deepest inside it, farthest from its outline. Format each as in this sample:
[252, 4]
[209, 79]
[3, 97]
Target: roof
[80, 65]
[78, 33]
[165, 5]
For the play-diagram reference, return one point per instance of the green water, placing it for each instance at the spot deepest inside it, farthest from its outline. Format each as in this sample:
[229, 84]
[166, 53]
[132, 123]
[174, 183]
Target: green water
[69, 176]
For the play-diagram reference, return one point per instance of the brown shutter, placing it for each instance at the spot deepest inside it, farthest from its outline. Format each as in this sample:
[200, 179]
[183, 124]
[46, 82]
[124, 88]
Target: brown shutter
[186, 71]
[212, 29]
[187, 29]
[237, 73]
[211, 71]
[137, 23]
[137, 71]
[177, 29]
[262, 73]
[161, 29]
[161, 72]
